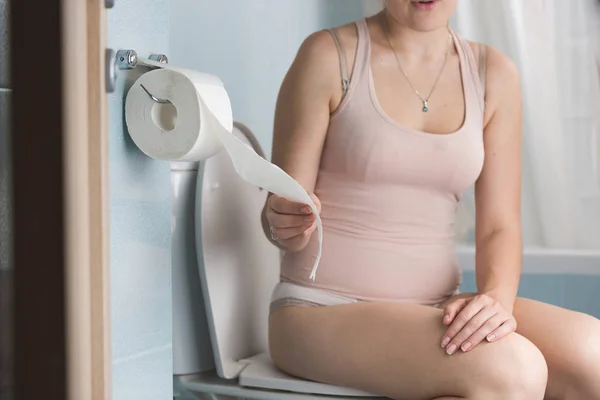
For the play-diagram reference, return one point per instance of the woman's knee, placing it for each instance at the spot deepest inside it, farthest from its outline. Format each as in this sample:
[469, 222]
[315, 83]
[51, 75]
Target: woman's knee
[516, 369]
[583, 369]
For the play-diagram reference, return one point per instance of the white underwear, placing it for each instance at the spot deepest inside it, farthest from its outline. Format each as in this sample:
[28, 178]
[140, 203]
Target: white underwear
[288, 294]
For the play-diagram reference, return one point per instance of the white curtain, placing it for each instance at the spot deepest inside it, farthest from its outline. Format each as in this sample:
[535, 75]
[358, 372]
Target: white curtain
[552, 42]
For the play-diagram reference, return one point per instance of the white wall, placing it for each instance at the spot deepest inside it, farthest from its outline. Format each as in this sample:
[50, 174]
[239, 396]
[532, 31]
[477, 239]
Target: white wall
[250, 44]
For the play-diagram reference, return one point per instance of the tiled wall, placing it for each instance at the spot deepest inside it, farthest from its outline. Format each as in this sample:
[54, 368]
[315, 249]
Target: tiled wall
[575, 292]
[139, 224]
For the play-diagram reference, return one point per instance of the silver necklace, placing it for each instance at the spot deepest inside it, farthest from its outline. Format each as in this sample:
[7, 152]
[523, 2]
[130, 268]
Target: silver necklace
[426, 99]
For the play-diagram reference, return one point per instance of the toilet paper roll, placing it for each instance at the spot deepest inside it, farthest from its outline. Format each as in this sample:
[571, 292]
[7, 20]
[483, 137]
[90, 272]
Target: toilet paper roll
[175, 114]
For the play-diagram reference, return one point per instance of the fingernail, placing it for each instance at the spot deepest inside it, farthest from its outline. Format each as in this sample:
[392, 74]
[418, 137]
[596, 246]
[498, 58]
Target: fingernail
[307, 210]
[446, 318]
[445, 341]
[491, 337]
[466, 346]
[451, 349]
[310, 218]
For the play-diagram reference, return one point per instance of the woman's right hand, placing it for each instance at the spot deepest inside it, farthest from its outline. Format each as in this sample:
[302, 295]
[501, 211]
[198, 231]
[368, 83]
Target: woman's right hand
[291, 224]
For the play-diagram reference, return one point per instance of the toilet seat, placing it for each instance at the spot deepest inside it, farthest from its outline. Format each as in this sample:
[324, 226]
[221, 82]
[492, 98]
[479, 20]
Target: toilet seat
[262, 373]
[238, 270]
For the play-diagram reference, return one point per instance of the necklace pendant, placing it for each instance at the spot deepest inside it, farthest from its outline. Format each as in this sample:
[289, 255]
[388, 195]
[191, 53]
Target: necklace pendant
[425, 106]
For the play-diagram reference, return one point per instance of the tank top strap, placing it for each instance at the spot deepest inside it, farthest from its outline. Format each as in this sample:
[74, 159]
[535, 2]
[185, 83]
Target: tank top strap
[363, 51]
[359, 77]
[471, 71]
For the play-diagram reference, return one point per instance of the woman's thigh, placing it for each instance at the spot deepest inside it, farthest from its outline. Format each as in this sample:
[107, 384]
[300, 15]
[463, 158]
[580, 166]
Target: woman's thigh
[570, 342]
[394, 350]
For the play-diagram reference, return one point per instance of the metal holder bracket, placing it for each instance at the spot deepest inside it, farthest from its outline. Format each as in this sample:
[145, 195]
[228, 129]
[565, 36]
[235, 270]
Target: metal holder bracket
[110, 69]
[127, 59]
[123, 60]
[161, 58]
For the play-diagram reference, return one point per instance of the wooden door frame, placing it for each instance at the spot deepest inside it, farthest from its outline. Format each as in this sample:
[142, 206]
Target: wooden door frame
[99, 200]
[60, 200]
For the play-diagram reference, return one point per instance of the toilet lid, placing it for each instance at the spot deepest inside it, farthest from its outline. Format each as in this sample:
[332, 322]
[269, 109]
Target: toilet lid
[238, 266]
[239, 269]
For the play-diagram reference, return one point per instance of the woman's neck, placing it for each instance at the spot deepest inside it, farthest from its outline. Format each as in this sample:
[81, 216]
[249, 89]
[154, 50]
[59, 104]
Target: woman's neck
[413, 44]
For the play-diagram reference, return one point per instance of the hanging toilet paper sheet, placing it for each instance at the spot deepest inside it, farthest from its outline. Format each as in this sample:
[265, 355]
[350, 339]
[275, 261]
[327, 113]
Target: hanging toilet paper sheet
[175, 114]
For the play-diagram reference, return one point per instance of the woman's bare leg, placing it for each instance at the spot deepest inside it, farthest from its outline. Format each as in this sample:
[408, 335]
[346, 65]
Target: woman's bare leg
[394, 350]
[570, 342]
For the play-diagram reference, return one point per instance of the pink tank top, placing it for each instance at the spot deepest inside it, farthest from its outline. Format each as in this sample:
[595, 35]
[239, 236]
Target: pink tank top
[389, 195]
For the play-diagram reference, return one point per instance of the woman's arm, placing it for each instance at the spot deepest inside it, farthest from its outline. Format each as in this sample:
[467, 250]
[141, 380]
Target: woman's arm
[487, 315]
[498, 189]
[301, 120]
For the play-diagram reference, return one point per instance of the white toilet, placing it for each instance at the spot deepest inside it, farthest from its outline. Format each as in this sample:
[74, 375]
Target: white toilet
[224, 270]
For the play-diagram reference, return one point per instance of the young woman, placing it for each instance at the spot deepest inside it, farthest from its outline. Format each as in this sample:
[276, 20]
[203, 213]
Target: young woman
[385, 122]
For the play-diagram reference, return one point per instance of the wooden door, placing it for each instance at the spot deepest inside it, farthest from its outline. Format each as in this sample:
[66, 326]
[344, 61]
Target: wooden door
[60, 200]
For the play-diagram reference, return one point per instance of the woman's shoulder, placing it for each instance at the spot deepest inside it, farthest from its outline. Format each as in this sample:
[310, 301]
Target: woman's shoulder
[499, 66]
[502, 79]
[348, 30]
[319, 49]
[322, 40]
[316, 62]
[317, 52]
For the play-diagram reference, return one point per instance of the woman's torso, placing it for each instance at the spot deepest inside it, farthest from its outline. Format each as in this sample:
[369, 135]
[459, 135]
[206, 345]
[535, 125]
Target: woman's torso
[389, 194]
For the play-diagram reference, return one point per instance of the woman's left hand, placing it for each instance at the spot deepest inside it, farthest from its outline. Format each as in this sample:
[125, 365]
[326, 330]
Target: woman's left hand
[474, 319]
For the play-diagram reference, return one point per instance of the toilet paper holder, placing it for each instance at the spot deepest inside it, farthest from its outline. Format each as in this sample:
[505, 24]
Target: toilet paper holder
[124, 60]
[128, 59]
[154, 98]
